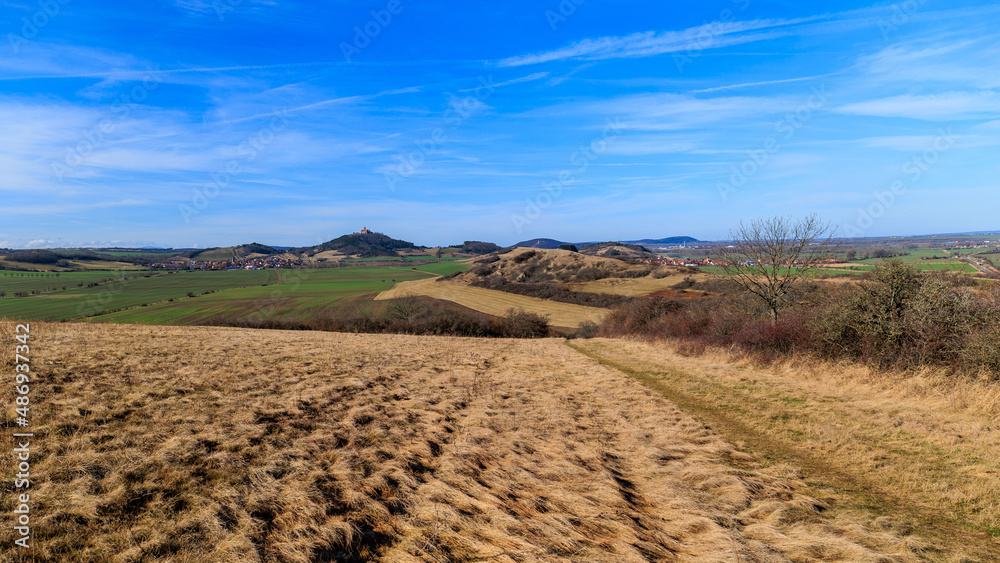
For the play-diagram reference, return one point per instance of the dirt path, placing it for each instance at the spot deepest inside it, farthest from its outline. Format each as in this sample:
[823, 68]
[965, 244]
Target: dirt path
[914, 453]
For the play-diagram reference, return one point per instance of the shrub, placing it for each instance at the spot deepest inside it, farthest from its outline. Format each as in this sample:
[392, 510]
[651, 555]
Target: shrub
[981, 352]
[525, 256]
[769, 341]
[687, 283]
[483, 271]
[895, 317]
[522, 324]
[587, 329]
[488, 259]
[635, 316]
[554, 292]
[662, 272]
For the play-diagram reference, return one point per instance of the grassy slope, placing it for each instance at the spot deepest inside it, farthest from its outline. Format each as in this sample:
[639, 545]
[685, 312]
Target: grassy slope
[200, 444]
[921, 450]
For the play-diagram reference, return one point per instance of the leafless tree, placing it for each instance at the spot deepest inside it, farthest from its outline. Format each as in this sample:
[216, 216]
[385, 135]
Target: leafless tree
[768, 256]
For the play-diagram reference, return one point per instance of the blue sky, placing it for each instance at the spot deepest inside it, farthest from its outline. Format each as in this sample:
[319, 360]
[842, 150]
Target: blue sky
[214, 122]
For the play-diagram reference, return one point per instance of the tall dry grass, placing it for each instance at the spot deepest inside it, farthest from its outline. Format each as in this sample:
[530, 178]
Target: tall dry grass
[922, 446]
[213, 444]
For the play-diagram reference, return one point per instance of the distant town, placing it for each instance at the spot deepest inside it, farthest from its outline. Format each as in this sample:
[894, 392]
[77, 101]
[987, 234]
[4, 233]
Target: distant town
[261, 263]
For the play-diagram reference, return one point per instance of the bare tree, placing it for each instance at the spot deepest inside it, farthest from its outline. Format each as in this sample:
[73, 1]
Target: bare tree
[768, 256]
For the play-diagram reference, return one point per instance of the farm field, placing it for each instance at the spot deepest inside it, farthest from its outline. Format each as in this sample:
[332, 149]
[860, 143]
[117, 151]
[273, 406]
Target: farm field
[11, 281]
[634, 286]
[916, 259]
[75, 302]
[218, 444]
[403, 259]
[75, 264]
[561, 315]
[301, 294]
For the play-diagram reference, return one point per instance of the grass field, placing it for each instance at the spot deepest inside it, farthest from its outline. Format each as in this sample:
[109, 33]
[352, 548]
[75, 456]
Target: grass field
[491, 302]
[234, 293]
[920, 449]
[301, 294]
[27, 267]
[403, 259]
[190, 444]
[122, 293]
[916, 259]
[860, 266]
[634, 286]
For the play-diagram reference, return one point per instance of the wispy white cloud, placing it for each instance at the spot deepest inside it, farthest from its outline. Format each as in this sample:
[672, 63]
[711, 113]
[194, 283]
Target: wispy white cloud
[954, 61]
[529, 78]
[662, 112]
[945, 106]
[763, 83]
[645, 44]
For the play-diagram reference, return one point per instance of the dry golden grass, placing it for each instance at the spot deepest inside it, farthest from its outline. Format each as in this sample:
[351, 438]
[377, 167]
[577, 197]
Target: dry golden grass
[635, 287]
[924, 447]
[188, 444]
[492, 302]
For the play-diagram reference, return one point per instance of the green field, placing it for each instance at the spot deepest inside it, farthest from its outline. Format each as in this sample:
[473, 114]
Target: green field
[162, 297]
[301, 294]
[403, 259]
[858, 269]
[921, 260]
[132, 253]
[123, 292]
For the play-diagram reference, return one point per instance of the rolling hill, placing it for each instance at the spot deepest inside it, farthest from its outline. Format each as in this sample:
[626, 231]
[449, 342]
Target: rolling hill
[362, 245]
[544, 243]
[668, 240]
[549, 244]
[619, 250]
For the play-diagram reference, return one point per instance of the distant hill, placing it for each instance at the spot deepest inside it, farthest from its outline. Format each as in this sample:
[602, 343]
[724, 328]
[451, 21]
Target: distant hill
[549, 244]
[363, 245]
[245, 250]
[620, 250]
[210, 254]
[476, 247]
[526, 265]
[668, 240]
[544, 243]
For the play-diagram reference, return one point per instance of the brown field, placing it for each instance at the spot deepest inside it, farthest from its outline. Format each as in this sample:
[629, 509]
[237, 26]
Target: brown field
[924, 447]
[491, 302]
[205, 444]
[635, 287]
